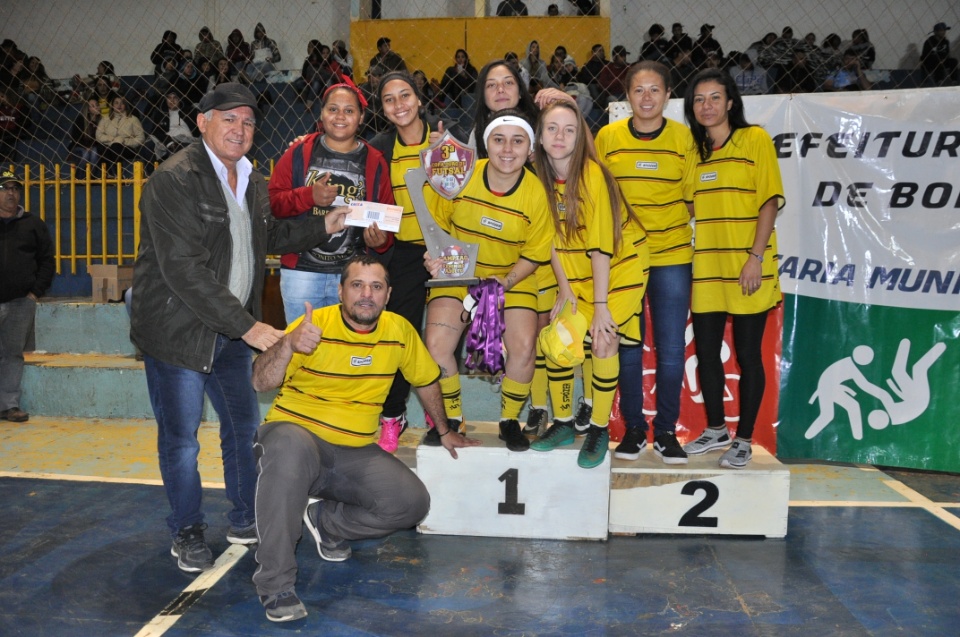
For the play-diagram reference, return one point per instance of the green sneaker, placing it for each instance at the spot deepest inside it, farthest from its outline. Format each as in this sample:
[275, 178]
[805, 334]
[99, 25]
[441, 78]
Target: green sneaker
[594, 448]
[559, 434]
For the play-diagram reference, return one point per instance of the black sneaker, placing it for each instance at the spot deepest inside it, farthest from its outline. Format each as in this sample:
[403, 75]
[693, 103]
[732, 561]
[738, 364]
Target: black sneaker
[432, 437]
[283, 607]
[191, 550]
[634, 441]
[246, 535]
[536, 421]
[510, 433]
[582, 421]
[668, 449]
[328, 548]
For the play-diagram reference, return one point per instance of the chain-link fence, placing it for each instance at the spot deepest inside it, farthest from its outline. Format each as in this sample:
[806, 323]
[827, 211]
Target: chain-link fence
[64, 62]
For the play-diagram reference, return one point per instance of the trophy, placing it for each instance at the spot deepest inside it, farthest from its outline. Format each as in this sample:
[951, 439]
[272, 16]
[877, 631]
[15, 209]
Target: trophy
[447, 166]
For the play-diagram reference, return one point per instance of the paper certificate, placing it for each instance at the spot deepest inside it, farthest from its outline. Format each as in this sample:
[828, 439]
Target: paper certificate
[366, 213]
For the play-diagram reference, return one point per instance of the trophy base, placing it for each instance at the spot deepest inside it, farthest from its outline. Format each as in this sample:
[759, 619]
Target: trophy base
[449, 283]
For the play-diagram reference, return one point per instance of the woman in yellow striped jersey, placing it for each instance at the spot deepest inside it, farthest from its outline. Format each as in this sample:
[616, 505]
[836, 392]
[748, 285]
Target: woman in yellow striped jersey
[601, 261]
[737, 192]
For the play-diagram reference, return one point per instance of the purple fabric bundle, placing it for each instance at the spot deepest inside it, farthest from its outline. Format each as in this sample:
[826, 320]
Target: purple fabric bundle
[484, 336]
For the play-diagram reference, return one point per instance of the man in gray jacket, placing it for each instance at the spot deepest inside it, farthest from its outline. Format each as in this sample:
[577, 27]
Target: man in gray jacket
[206, 230]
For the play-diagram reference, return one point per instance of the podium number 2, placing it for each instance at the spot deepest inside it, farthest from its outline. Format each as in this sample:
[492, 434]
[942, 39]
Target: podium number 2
[510, 478]
[710, 495]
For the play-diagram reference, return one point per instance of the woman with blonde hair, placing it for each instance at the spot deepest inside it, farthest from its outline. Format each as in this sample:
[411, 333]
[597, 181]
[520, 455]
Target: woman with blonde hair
[601, 262]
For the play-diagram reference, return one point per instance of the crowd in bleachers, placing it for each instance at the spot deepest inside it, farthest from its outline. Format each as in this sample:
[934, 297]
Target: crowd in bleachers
[141, 119]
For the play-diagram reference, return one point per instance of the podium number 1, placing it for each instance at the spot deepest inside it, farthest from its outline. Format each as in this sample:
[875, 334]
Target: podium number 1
[710, 496]
[510, 478]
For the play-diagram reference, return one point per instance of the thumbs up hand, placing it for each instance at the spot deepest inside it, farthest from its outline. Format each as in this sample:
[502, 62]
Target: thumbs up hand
[305, 337]
[437, 134]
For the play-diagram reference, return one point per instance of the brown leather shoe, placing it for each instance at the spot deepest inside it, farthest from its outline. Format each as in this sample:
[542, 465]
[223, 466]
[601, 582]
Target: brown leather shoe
[14, 414]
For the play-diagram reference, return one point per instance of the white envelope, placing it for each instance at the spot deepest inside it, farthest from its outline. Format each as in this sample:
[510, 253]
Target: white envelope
[366, 213]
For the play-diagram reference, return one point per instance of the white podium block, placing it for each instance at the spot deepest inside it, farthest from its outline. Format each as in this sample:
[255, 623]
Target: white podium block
[491, 491]
[647, 496]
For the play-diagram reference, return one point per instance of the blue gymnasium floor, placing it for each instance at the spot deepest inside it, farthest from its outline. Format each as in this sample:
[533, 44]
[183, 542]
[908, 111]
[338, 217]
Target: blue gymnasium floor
[867, 552]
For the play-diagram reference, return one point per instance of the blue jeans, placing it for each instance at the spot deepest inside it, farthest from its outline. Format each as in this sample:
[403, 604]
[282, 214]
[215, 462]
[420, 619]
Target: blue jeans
[297, 286]
[668, 295]
[176, 394]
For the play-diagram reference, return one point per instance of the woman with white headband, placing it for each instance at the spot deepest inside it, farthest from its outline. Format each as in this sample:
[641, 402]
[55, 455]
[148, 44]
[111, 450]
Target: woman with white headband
[601, 261]
[504, 209]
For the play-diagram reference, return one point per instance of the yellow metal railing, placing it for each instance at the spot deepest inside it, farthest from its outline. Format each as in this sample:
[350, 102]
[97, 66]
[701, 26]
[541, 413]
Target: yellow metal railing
[73, 194]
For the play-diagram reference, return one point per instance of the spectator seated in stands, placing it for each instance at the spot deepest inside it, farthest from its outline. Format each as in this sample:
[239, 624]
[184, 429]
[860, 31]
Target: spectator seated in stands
[84, 86]
[779, 54]
[264, 55]
[190, 84]
[679, 41]
[175, 123]
[101, 92]
[511, 58]
[655, 49]
[37, 85]
[166, 53]
[84, 147]
[799, 76]
[682, 71]
[222, 72]
[387, 59]
[374, 120]
[611, 78]
[704, 45]
[13, 119]
[590, 73]
[433, 98]
[849, 77]
[459, 82]
[749, 79]
[343, 57]
[319, 71]
[512, 8]
[939, 67]
[863, 48]
[559, 75]
[207, 49]
[121, 133]
[536, 67]
[238, 52]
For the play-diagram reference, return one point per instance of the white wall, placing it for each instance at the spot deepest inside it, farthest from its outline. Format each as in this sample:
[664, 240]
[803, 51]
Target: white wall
[71, 36]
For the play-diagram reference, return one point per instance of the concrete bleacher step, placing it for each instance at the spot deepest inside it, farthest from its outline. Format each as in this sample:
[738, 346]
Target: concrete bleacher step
[84, 366]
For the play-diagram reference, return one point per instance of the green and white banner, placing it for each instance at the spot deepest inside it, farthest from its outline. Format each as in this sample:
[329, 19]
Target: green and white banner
[870, 269]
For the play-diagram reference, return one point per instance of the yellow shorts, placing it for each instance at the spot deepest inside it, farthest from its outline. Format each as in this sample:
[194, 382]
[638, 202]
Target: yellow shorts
[522, 296]
[546, 288]
[626, 309]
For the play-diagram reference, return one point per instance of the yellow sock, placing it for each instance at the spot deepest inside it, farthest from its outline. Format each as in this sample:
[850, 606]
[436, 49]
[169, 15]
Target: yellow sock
[561, 390]
[538, 388]
[450, 389]
[606, 372]
[512, 397]
[587, 369]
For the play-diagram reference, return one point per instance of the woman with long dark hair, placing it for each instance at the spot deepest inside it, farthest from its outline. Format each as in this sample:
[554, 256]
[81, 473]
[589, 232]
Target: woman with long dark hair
[411, 131]
[737, 191]
[120, 133]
